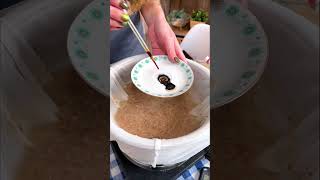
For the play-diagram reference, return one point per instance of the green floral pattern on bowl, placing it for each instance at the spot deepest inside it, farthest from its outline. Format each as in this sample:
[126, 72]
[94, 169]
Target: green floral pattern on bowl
[97, 13]
[84, 33]
[232, 10]
[139, 67]
[257, 45]
[83, 56]
[249, 29]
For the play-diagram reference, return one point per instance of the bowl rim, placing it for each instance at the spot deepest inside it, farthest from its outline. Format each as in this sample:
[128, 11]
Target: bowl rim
[177, 93]
[200, 134]
[266, 59]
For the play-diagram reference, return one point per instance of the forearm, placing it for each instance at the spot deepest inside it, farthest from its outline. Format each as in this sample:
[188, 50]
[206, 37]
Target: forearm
[153, 12]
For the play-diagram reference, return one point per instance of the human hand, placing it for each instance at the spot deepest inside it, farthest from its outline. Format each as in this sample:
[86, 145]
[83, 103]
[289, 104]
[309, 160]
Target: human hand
[162, 38]
[164, 41]
[118, 18]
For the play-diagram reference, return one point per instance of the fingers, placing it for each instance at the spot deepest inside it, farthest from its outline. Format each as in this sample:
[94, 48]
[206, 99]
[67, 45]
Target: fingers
[115, 3]
[115, 25]
[157, 51]
[179, 52]
[118, 15]
[174, 51]
[119, 4]
[170, 50]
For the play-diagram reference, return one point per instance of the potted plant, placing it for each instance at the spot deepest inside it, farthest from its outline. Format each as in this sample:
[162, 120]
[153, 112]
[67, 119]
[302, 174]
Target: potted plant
[198, 16]
[178, 18]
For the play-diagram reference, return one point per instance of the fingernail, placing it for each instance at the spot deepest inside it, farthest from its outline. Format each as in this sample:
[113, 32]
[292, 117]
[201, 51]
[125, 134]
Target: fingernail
[125, 24]
[176, 59]
[125, 17]
[124, 5]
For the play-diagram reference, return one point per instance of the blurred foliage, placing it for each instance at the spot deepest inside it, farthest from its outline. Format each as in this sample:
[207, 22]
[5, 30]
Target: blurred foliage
[199, 15]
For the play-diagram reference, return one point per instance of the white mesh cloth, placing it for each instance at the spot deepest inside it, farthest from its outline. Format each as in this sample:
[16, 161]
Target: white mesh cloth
[159, 151]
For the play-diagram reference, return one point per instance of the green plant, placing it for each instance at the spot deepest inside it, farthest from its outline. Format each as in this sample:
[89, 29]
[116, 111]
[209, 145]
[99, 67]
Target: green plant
[199, 15]
[177, 14]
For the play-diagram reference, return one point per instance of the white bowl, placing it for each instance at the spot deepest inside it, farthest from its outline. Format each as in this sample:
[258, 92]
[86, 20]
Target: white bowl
[144, 76]
[165, 151]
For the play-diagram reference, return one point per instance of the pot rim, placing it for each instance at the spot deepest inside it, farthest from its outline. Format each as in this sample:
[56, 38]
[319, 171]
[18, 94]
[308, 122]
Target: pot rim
[200, 134]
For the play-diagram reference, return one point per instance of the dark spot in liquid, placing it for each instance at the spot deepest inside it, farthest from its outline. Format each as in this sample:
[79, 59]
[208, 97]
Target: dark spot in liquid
[165, 80]
[170, 86]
